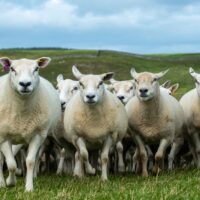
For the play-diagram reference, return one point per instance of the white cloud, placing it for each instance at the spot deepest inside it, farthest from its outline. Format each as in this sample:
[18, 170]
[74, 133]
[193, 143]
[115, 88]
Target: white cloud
[142, 23]
[59, 13]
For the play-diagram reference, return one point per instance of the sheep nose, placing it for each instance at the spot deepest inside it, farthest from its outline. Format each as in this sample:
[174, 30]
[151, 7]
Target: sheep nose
[25, 84]
[143, 90]
[121, 97]
[62, 105]
[90, 96]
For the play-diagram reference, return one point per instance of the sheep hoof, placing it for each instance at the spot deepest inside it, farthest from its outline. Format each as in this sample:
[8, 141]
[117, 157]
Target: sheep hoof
[104, 179]
[29, 188]
[78, 175]
[121, 169]
[2, 184]
[91, 171]
[18, 172]
[145, 174]
[10, 182]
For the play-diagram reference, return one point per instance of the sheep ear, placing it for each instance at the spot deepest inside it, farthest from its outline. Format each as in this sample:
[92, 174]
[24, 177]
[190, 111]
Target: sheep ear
[6, 63]
[43, 62]
[60, 78]
[174, 87]
[166, 84]
[192, 72]
[76, 72]
[112, 81]
[107, 76]
[134, 74]
[161, 74]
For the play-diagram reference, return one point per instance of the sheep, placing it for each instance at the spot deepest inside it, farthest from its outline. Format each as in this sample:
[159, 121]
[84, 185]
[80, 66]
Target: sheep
[154, 117]
[66, 88]
[190, 104]
[170, 89]
[94, 118]
[30, 109]
[124, 90]
[179, 139]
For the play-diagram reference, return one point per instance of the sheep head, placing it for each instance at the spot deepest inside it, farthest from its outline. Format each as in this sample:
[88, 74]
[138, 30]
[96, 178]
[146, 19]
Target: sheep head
[91, 86]
[23, 73]
[147, 86]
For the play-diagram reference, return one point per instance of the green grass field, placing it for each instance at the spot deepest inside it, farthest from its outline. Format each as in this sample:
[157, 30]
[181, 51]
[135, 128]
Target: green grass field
[175, 185]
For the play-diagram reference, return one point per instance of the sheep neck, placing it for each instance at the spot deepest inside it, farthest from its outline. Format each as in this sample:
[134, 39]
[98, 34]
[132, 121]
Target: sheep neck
[150, 109]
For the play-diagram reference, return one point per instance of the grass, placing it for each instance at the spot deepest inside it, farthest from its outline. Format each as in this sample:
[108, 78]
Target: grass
[174, 185]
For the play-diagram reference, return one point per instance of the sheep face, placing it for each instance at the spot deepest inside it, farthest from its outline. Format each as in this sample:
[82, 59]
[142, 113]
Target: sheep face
[124, 90]
[23, 73]
[66, 89]
[147, 86]
[196, 76]
[91, 86]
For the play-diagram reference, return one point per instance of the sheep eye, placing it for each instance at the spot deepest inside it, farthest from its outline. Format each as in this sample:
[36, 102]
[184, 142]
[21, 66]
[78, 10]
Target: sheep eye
[75, 88]
[131, 88]
[36, 69]
[100, 83]
[154, 80]
[12, 69]
[136, 81]
[81, 84]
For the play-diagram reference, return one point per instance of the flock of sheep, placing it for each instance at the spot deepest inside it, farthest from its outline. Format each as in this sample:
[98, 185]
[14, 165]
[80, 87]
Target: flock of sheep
[88, 125]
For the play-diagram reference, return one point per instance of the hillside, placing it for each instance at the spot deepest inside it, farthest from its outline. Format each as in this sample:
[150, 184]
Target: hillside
[94, 61]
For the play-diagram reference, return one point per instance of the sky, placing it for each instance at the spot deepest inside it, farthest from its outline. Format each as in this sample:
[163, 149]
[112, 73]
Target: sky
[137, 26]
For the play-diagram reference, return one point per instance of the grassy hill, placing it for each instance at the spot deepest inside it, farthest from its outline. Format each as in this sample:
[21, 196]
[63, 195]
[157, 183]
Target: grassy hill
[94, 61]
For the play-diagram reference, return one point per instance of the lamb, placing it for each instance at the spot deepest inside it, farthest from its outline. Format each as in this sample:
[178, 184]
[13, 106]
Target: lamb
[154, 117]
[191, 106]
[94, 118]
[30, 109]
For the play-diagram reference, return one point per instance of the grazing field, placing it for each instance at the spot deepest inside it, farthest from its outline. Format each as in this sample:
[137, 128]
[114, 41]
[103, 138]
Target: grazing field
[174, 185]
[179, 184]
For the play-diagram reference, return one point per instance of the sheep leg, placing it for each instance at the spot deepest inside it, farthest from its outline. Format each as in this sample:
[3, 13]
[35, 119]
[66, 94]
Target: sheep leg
[150, 156]
[196, 140]
[78, 168]
[33, 149]
[84, 154]
[121, 166]
[6, 149]
[2, 181]
[61, 161]
[143, 154]
[176, 146]
[104, 158]
[160, 154]
[135, 159]
[16, 149]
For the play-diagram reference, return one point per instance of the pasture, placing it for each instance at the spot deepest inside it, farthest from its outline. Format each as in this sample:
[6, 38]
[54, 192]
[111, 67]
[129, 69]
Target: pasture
[179, 184]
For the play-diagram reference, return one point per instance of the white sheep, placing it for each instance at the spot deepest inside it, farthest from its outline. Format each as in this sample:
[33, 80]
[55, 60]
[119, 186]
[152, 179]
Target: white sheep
[190, 103]
[124, 90]
[66, 88]
[154, 117]
[30, 109]
[169, 89]
[94, 118]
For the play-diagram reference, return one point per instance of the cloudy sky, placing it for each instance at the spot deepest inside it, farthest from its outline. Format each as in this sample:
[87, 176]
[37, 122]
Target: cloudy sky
[138, 26]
